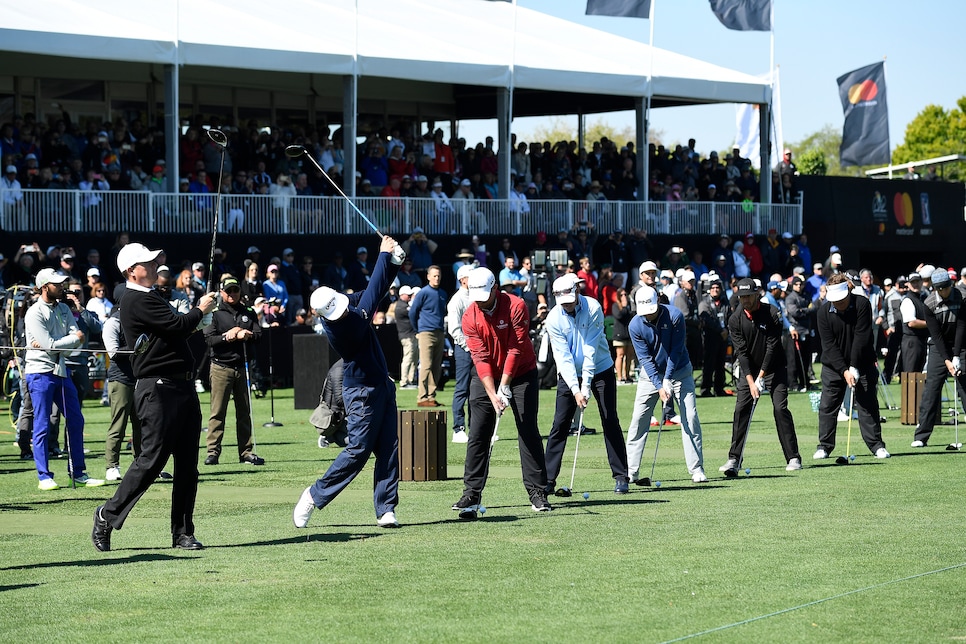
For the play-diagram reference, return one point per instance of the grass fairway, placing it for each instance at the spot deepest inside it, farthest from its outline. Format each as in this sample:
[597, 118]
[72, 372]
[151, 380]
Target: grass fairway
[872, 552]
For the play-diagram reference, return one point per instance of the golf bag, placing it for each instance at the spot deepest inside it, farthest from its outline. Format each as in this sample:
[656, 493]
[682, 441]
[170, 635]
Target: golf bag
[329, 417]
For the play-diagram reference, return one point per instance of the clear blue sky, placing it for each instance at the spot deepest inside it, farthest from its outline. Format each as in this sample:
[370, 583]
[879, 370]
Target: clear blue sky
[816, 41]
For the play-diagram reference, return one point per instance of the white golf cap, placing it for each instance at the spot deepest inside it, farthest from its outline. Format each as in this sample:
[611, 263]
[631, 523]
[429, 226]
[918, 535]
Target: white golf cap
[135, 253]
[405, 289]
[646, 300]
[687, 276]
[480, 284]
[49, 276]
[835, 259]
[837, 292]
[667, 273]
[647, 266]
[328, 303]
[464, 271]
[927, 271]
[565, 289]
[93, 271]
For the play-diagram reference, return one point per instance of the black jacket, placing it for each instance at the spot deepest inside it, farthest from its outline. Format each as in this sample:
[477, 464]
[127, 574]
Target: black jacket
[847, 339]
[231, 354]
[758, 340]
[166, 352]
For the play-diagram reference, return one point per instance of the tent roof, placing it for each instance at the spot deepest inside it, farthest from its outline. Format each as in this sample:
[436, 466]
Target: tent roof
[248, 43]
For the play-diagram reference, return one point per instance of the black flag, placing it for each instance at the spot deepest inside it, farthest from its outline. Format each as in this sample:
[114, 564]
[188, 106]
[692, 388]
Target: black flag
[621, 8]
[865, 134]
[743, 15]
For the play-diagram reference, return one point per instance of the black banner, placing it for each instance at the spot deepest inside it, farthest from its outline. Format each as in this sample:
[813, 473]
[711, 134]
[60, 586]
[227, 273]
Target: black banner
[865, 134]
[620, 8]
[743, 15]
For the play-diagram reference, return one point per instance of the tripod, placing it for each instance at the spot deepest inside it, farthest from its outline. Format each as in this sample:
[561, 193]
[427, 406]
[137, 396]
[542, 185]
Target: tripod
[271, 382]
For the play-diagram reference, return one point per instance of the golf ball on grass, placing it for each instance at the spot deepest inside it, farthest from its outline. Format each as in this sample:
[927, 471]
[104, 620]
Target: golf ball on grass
[482, 509]
[657, 484]
[747, 470]
[586, 495]
[851, 457]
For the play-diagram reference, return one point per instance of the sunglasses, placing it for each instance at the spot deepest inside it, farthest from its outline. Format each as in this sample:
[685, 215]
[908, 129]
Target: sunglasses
[233, 289]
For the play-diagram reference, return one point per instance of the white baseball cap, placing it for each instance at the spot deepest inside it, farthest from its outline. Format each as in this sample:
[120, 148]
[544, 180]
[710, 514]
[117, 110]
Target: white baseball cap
[647, 266]
[480, 283]
[464, 271]
[135, 253]
[837, 292]
[406, 289]
[926, 271]
[93, 271]
[687, 276]
[646, 300]
[328, 303]
[49, 276]
[565, 289]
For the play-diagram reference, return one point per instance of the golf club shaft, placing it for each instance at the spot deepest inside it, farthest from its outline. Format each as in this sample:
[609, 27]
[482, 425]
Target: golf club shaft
[848, 435]
[657, 445]
[580, 422]
[220, 139]
[248, 389]
[496, 429]
[801, 363]
[305, 153]
[754, 406]
[17, 349]
[956, 409]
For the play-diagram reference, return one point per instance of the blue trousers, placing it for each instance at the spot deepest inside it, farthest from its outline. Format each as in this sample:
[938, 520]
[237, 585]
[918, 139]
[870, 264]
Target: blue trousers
[464, 367]
[371, 423]
[45, 390]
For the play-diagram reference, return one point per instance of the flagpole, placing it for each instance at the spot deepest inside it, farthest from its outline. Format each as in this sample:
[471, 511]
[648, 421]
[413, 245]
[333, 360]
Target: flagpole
[646, 152]
[888, 137]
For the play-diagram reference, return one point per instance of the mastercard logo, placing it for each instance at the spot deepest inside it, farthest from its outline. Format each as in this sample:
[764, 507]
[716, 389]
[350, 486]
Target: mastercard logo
[902, 204]
[864, 91]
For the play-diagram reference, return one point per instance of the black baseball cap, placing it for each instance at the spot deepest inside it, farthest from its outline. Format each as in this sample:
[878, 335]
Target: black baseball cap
[746, 286]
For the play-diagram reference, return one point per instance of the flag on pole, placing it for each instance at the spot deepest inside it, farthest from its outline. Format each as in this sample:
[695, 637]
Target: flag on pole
[865, 133]
[743, 15]
[620, 8]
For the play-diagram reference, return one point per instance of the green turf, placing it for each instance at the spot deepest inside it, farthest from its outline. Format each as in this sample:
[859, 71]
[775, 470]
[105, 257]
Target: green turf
[655, 565]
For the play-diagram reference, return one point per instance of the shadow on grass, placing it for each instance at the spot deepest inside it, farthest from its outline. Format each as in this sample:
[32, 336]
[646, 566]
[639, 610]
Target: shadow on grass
[30, 505]
[139, 558]
[17, 470]
[339, 537]
[17, 587]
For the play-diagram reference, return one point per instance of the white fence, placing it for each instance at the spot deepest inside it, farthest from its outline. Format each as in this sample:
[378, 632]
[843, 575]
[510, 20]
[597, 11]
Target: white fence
[111, 211]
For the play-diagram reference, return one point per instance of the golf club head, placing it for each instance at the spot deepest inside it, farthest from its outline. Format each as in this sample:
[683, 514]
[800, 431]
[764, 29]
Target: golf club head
[841, 460]
[953, 447]
[731, 473]
[294, 151]
[564, 492]
[644, 482]
[468, 514]
[218, 137]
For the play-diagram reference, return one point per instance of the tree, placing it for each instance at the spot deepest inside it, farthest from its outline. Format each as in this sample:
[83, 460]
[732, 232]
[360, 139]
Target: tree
[821, 148]
[935, 132]
[561, 128]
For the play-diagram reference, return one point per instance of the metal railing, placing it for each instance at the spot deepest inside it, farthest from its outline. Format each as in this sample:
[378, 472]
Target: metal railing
[112, 211]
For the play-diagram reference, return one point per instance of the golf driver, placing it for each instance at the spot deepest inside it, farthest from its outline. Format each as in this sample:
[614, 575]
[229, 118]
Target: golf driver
[801, 363]
[221, 140]
[732, 472]
[568, 491]
[646, 481]
[844, 460]
[248, 390]
[295, 151]
[955, 445]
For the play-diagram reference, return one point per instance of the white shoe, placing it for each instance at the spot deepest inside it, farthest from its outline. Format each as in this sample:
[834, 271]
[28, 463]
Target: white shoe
[460, 437]
[47, 485]
[917, 444]
[199, 387]
[676, 419]
[388, 520]
[731, 464]
[699, 476]
[842, 417]
[654, 422]
[819, 454]
[86, 481]
[882, 453]
[303, 509]
[495, 438]
[794, 464]
[113, 474]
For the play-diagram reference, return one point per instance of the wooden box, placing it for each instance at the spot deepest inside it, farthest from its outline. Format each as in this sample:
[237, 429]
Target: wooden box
[423, 437]
[912, 384]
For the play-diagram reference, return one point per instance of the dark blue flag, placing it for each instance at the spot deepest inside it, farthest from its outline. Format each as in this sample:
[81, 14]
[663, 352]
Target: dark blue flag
[865, 134]
[743, 15]
[622, 8]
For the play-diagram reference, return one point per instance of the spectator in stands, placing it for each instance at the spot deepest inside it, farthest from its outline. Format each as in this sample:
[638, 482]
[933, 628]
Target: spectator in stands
[444, 164]
[444, 207]
[627, 182]
[358, 272]
[756, 264]
[518, 198]
[421, 191]
[335, 273]
[583, 241]
[99, 305]
[309, 277]
[12, 192]
[771, 255]
[595, 194]
[289, 273]
[274, 289]
[251, 286]
[419, 249]
[586, 274]
[407, 277]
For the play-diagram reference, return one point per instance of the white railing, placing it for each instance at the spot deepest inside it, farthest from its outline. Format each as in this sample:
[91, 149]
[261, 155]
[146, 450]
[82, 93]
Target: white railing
[112, 211]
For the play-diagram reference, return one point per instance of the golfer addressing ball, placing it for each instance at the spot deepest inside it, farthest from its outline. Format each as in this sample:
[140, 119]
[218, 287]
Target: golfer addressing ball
[575, 326]
[660, 341]
[368, 394]
[848, 360]
[756, 333]
[504, 379]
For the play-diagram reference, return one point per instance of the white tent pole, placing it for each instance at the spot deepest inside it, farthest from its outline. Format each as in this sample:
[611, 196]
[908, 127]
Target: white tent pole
[644, 150]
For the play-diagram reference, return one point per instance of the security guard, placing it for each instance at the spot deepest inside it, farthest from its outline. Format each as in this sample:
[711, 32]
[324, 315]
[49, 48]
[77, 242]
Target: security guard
[231, 339]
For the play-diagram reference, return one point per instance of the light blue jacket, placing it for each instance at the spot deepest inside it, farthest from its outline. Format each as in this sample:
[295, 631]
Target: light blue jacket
[661, 347]
[578, 342]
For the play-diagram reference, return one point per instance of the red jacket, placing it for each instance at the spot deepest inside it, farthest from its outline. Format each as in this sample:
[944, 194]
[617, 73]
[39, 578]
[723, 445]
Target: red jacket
[500, 342]
[444, 162]
[755, 262]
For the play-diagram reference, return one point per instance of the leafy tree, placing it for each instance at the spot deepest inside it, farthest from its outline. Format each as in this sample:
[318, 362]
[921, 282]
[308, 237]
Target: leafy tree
[936, 132]
[812, 162]
[821, 148]
[560, 128]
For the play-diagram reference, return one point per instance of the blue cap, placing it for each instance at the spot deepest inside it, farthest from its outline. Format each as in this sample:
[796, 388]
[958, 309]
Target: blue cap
[772, 284]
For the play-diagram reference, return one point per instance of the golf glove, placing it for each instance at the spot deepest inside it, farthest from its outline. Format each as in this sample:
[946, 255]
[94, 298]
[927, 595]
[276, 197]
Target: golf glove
[854, 372]
[398, 255]
[585, 392]
[760, 383]
[504, 394]
[668, 385]
[956, 363]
